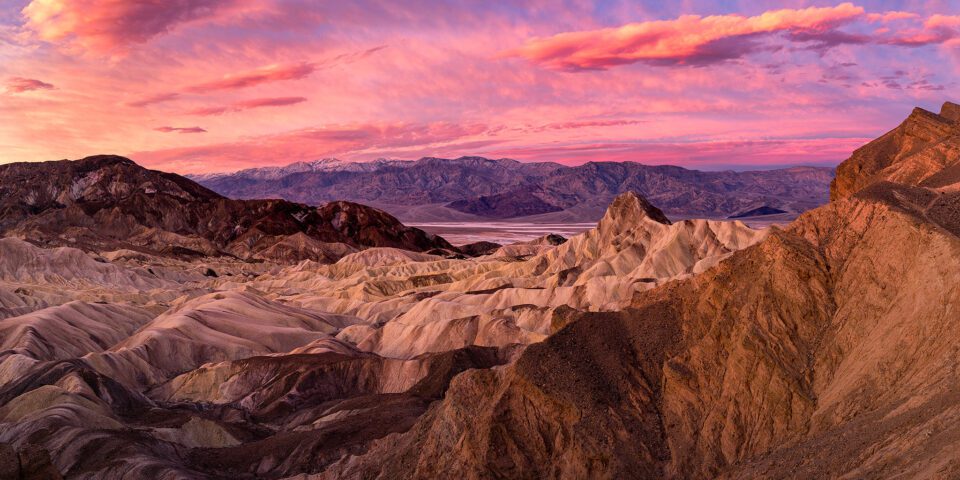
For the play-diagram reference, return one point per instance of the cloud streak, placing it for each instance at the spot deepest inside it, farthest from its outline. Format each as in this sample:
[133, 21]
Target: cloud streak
[154, 99]
[180, 129]
[248, 105]
[307, 144]
[270, 73]
[20, 85]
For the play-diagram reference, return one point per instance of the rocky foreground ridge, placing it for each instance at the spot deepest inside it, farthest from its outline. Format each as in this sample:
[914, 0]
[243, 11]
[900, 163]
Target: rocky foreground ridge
[825, 351]
[643, 348]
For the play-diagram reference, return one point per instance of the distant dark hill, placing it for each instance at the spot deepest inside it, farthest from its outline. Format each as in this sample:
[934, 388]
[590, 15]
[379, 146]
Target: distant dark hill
[474, 187]
[109, 202]
[517, 203]
[758, 212]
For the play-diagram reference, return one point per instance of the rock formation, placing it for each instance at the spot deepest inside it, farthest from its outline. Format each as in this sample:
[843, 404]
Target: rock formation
[109, 202]
[925, 147]
[822, 351]
[643, 348]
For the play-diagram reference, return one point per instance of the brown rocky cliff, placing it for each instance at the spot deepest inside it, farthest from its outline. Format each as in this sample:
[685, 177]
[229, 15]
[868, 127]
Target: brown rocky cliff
[924, 144]
[831, 323]
[827, 350]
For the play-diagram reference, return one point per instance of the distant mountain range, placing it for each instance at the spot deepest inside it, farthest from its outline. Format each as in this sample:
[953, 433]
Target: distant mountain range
[476, 188]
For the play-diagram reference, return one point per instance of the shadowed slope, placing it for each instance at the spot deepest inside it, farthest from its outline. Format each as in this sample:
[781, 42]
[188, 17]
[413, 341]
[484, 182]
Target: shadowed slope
[828, 349]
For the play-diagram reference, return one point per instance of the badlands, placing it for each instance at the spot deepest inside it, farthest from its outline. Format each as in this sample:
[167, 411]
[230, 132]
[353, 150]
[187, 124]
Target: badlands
[151, 328]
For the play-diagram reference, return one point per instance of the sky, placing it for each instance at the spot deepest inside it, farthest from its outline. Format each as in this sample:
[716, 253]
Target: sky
[197, 86]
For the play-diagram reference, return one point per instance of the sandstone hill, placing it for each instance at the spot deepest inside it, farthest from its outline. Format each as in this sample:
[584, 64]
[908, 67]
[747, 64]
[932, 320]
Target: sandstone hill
[825, 351]
[924, 150]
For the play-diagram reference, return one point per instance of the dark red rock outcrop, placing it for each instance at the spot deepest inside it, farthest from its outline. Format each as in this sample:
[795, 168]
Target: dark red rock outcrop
[108, 202]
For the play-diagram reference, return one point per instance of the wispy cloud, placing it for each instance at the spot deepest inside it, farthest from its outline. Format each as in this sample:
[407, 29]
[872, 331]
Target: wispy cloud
[180, 129]
[20, 85]
[270, 73]
[152, 99]
[248, 105]
[589, 124]
[310, 143]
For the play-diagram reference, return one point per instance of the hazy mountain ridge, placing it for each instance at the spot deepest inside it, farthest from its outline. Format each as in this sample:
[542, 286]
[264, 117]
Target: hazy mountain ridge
[510, 189]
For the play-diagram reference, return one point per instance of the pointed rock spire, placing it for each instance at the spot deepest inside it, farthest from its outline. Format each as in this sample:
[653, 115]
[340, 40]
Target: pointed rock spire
[628, 208]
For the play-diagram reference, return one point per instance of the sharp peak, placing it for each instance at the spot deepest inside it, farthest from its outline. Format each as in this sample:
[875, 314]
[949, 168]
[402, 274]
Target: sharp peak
[629, 207]
[950, 111]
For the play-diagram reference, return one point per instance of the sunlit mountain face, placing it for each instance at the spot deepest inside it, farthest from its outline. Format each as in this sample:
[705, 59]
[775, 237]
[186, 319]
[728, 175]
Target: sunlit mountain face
[211, 86]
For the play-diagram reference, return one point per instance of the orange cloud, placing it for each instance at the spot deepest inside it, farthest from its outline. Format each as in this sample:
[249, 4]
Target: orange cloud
[20, 85]
[247, 105]
[271, 73]
[689, 39]
[110, 25]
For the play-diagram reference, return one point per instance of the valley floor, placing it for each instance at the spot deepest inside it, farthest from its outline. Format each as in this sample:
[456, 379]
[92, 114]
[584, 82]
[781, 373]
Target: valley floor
[511, 231]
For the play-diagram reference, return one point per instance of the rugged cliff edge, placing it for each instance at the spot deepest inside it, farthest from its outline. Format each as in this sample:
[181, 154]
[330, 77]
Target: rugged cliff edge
[827, 350]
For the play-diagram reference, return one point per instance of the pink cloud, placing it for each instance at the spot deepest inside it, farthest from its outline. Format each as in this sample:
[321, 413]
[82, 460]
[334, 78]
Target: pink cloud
[307, 144]
[689, 39]
[20, 85]
[590, 123]
[697, 154]
[891, 16]
[942, 21]
[152, 99]
[271, 73]
[247, 105]
[110, 25]
[180, 129]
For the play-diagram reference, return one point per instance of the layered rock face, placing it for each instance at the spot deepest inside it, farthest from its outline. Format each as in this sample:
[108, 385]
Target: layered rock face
[126, 364]
[923, 150]
[825, 351]
[108, 202]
